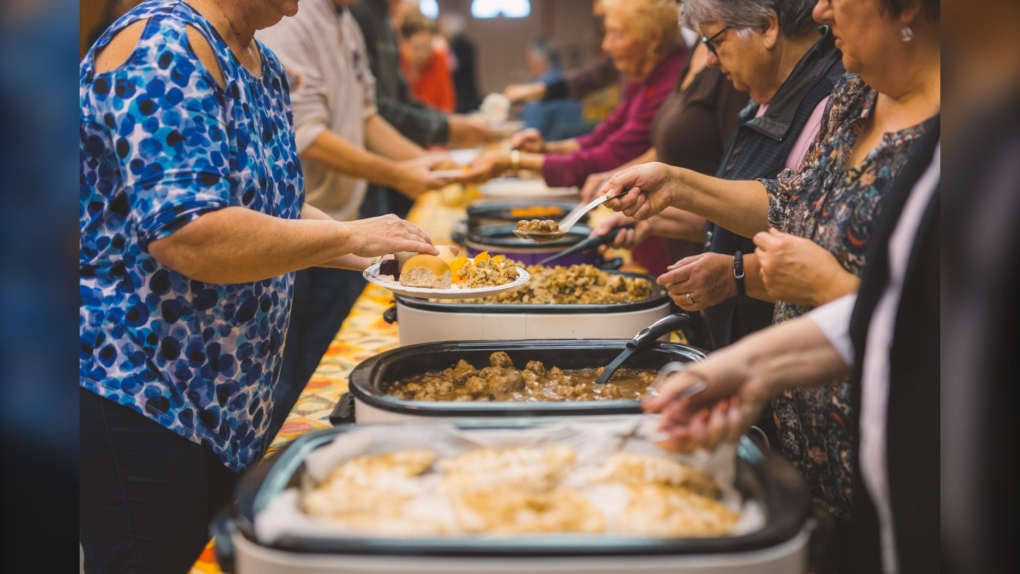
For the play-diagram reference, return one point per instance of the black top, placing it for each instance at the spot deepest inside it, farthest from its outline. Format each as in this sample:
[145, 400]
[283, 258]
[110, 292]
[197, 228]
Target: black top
[419, 123]
[465, 78]
[912, 424]
[759, 148]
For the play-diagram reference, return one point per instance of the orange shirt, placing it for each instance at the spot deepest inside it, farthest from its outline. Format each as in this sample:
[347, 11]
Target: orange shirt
[433, 85]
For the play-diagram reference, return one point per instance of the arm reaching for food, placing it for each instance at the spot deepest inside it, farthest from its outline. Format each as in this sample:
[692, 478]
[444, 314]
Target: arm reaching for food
[708, 279]
[240, 245]
[740, 206]
[741, 378]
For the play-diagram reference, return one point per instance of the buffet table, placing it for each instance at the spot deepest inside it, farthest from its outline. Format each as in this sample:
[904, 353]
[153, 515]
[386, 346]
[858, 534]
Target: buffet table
[364, 334]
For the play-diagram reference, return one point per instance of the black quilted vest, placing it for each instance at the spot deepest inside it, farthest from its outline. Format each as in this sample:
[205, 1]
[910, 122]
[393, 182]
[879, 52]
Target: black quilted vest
[758, 149]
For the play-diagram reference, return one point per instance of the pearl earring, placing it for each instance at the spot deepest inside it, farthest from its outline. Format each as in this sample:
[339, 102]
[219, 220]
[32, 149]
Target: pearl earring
[906, 34]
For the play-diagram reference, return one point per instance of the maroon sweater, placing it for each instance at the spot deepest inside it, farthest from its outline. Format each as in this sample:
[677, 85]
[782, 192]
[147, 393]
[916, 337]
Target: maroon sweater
[624, 134]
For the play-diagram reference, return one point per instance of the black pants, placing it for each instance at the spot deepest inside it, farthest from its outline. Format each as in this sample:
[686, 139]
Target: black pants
[322, 300]
[147, 495]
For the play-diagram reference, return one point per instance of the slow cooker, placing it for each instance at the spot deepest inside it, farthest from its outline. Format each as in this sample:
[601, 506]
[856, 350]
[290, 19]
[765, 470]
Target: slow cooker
[425, 321]
[779, 546]
[367, 402]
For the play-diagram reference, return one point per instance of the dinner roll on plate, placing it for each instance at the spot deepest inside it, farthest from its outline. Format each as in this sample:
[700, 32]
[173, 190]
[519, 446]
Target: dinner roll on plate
[426, 271]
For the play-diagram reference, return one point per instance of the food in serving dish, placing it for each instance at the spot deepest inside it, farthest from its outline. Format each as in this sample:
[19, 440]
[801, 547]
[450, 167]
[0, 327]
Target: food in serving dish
[517, 490]
[538, 226]
[447, 271]
[501, 381]
[426, 271]
[573, 285]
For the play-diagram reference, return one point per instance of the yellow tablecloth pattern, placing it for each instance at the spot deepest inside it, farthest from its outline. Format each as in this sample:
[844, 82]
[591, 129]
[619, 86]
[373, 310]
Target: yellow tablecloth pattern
[364, 334]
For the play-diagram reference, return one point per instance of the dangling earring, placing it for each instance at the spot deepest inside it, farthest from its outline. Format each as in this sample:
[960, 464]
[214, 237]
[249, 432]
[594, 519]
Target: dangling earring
[906, 34]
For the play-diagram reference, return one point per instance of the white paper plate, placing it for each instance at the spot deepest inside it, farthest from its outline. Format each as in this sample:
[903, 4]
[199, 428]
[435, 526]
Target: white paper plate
[464, 156]
[447, 173]
[372, 275]
[510, 188]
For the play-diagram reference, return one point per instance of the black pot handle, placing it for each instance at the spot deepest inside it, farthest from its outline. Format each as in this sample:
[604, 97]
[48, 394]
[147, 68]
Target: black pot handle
[651, 333]
[457, 237]
[390, 315]
[343, 413]
[222, 528]
[822, 527]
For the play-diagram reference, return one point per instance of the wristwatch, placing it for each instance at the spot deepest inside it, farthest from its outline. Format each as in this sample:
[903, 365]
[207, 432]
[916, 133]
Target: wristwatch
[738, 272]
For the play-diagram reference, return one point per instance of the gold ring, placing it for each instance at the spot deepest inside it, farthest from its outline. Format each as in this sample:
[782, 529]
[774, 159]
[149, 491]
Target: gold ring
[689, 300]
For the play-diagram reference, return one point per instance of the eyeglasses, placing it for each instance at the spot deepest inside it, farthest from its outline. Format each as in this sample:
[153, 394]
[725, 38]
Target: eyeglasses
[710, 42]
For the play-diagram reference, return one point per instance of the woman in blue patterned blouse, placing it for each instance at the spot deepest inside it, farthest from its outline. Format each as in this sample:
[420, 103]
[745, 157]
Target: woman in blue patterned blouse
[192, 220]
[811, 225]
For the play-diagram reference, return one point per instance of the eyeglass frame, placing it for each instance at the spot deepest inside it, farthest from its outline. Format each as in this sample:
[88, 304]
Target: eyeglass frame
[708, 41]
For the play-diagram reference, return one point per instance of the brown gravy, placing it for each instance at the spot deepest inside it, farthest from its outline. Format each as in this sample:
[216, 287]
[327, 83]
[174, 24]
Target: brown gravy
[501, 381]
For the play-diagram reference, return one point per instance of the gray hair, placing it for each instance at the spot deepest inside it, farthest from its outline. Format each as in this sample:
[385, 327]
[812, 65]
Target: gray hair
[794, 16]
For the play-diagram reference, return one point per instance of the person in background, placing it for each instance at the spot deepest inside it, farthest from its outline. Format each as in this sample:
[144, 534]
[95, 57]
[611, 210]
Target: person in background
[820, 214]
[463, 61]
[424, 125]
[343, 143]
[576, 83]
[426, 67]
[644, 41]
[690, 130]
[554, 119]
[192, 223]
[888, 336]
[789, 68]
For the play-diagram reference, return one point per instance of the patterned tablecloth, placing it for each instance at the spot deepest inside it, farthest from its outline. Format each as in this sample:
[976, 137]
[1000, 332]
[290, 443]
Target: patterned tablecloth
[364, 334]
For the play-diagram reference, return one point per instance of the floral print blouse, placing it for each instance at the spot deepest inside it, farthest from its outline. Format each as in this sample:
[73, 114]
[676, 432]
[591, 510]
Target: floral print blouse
[834, 205]
[161, 144]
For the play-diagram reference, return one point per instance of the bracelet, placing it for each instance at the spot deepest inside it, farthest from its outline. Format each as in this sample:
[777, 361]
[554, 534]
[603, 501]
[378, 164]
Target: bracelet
[738, 272]
[515, 160]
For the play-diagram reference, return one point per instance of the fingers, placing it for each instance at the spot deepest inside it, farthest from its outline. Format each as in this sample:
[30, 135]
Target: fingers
[525, 138]
[735, 421]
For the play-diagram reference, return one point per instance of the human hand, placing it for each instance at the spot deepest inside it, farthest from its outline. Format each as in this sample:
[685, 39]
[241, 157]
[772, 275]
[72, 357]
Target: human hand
[387, 234]
[414, 176]
[468, 131]
[722, 412]
[648, 190]
[592, 185]
[701, 281]
[529, 140]
[626, 238]
[487, 166]
[800, 271]
[525, 92]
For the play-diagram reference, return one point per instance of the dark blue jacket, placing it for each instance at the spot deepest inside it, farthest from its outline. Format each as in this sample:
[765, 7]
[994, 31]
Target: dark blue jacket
[758, 149]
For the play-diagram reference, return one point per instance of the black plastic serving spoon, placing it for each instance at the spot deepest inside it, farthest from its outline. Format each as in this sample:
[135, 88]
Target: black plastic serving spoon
[644, 339]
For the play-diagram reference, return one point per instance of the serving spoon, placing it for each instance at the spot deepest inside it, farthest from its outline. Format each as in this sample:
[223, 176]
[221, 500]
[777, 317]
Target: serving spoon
[565, 224]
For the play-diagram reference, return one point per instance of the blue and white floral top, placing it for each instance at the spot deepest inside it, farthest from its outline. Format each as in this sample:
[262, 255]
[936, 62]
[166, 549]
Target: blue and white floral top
[162, 144]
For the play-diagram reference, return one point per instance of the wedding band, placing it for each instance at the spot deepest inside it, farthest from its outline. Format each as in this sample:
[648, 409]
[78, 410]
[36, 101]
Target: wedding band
[689, 300]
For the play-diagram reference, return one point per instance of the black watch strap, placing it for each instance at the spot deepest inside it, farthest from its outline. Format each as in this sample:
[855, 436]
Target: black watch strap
[738, 272]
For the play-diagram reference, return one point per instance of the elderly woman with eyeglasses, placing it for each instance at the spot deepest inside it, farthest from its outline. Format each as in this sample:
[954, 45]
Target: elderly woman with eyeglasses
[811, 224]
[643, 39]
[789, 66]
